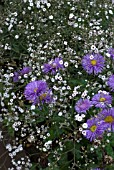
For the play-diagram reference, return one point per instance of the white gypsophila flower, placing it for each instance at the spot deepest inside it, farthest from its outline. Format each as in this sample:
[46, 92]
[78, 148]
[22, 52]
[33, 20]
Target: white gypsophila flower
[75, 25]
[16, 36]
[84, 125]
[78, 118]
[33, 78]
[60, 114]
[80, 129]
[108, 55]
[33, 107]
[91, 57]
[82, 115]
[51, 17]
[110, 11]
[84, 132]
[92, 149]
[1, 136]
[61, 61]
[65, 42]
[71, 16]
[31, 138]
[103, 78]
[93, 47]
[11, 74]
[66, 64]
[44, 149]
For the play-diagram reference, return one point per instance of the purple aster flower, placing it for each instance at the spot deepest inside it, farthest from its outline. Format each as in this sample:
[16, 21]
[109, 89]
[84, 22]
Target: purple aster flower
[106, 118]
[25, 70]
[45, 97]
[111, 82]
[82, 105]
[102, 99]
[93, 63]
[57, 63]
[111, 52]
[38, 92]
[53, 66]
[47, 68]
[34, 89]
[16, 77]
[93, 130]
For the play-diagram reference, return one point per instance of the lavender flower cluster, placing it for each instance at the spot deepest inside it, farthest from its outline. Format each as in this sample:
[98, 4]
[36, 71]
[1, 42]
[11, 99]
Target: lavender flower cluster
[94, 63]
[37, 91]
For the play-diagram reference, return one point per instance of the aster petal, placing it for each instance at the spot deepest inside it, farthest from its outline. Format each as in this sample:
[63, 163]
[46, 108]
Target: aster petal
[53, 66]
[110, 82]
[16, 77]
[102, 100]
[82, 105]
[93, 68]
[25, 70]
[111, 52]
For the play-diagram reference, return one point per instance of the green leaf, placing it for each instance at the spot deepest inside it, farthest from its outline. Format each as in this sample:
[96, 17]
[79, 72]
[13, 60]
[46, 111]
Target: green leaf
[110, 151]
[11, 131]
[69, 145]
[33, 166]
[1, 87]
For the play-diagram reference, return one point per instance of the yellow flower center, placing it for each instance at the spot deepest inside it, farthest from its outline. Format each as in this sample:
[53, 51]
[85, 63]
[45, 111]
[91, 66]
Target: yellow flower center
[93, 128]
[43, 96]
[93, 62]
[102, 99]
[109, 119]
[35, 90]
